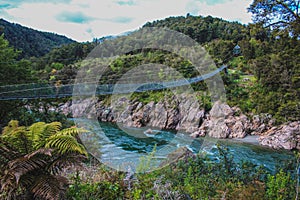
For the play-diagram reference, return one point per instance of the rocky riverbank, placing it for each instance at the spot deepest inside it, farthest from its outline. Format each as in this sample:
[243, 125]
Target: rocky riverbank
[185, 114]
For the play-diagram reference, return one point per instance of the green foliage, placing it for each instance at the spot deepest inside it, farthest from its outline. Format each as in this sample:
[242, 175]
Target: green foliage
[221, 50]
[103, 190]
[33, 157]
[65, 144]
[155, 96]
[11, 70]
[62, 56]
[205, 101]
[203, 29]
[199, 177]
[146, 161]
[283, 14]
[29, 41]
[30, 111]
[280, 186]
[109, 185]
[277, 90]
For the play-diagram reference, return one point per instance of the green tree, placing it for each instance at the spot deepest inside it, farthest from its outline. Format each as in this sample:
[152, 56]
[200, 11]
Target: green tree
[280, 186]
[12, 71]
[282, 14]
[8, 64]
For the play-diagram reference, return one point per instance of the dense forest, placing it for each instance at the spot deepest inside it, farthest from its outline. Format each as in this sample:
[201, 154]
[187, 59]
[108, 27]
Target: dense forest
[263, 78]
[30, 42]
[272, 56]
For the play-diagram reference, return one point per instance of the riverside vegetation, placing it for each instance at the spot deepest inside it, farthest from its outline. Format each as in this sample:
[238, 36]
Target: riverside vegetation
[265, 78]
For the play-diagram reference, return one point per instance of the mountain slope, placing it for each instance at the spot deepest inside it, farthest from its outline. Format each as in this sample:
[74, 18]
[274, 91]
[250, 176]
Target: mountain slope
[31, 42]
[203, 29]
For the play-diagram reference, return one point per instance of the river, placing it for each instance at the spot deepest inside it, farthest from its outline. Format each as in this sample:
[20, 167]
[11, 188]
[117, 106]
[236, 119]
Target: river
[125, 148]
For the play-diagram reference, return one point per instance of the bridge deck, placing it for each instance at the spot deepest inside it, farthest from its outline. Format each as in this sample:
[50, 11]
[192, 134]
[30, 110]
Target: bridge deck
[46, 91]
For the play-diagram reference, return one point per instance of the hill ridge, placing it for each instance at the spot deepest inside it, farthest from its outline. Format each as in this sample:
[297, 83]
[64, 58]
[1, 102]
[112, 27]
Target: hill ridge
[32, 42]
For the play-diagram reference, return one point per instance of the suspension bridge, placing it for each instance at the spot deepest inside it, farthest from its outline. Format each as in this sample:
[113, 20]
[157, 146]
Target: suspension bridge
[48, 91]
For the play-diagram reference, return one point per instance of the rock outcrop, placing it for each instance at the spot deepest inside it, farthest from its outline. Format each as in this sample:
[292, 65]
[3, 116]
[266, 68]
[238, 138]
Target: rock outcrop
[286, 136]
[183, 113]
[224, 122]
[80, 108]
[261, 123]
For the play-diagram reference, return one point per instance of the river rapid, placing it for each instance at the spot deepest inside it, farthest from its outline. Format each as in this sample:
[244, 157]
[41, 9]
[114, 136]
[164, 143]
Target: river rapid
[124, 148]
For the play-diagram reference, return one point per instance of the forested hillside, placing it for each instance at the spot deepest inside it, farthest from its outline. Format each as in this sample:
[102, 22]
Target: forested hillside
[271, 55]
[203, 29]
[269, 61]
[31, 42]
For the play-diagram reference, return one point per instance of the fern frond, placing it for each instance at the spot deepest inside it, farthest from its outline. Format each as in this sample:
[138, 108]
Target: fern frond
[23, 165]
[20, 139]
[65, 161]
[31, 157]
[37, 130]
[7, 152]
[52, 128]
[49, 187]
[12, 125]
[65, 144]
[41, 131]
[37, 127]
[42, 151]
[73, 131]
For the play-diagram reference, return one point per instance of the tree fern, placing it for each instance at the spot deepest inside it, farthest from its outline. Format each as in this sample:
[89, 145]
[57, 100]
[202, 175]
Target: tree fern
[64, 161]
[32, 157]
[37, 130]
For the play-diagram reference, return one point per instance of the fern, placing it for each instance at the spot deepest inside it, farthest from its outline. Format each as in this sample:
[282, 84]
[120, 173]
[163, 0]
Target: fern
[19, 137]
[49, 187]
[31, 159]
[37, 130]
[65, 161]
[73, 131]
[65, 144]
[41, 131]
[12, 125]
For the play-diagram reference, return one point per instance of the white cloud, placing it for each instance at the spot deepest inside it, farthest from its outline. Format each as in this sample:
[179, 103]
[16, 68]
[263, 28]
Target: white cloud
[232, 10]
[114, 17]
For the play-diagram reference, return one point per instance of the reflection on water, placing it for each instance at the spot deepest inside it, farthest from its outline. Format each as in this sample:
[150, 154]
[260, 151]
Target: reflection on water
[123, 148]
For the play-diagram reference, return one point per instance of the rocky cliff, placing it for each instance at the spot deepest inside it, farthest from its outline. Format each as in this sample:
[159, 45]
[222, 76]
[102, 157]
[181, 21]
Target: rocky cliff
[184, 113]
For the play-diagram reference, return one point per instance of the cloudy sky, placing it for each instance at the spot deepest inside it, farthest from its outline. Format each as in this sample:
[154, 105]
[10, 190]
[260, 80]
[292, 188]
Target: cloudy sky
[83, 20]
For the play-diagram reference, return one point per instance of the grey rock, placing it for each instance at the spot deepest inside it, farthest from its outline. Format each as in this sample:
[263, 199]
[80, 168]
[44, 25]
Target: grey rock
[286, 136]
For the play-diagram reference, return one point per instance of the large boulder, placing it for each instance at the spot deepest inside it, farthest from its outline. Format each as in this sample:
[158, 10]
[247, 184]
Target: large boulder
[158, 116]
[191, 115]
[238, 124]
[83, 108]
[286, 136]
[224, 122]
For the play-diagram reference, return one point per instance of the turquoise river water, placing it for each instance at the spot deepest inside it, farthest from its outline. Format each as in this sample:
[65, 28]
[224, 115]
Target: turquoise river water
[123, 148]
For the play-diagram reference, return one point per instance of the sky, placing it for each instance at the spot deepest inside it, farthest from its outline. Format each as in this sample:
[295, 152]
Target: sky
[83, 20]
